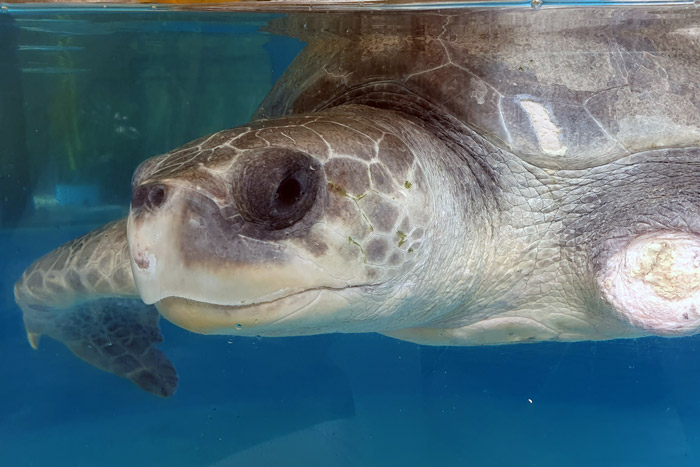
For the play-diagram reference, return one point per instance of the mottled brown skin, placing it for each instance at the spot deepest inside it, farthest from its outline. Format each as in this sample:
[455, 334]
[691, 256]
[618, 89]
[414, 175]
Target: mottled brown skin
[449, 179]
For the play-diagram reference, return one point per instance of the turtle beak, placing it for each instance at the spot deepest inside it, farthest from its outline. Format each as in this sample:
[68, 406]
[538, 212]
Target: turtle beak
[182, 245]
[149, 221]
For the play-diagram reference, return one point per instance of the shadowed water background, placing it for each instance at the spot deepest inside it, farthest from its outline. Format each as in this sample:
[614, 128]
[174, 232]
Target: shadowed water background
[87, 96]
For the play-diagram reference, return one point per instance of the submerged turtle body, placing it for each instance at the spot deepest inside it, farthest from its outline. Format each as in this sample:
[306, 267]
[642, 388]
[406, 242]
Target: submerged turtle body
[483, 178]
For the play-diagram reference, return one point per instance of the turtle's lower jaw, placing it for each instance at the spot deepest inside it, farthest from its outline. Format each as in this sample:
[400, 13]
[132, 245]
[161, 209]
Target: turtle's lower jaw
[314, 310]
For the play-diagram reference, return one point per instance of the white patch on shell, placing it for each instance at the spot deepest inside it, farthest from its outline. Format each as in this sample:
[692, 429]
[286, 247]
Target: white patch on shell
[654, 283]
[479, 91]
[548, 134]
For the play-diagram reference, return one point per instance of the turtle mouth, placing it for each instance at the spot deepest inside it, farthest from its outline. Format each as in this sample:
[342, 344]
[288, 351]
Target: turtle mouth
[269, 317]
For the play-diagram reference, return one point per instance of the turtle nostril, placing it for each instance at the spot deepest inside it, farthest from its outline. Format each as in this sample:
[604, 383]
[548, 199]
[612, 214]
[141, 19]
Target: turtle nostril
[152, 197]
[156, 196]
[139, 197]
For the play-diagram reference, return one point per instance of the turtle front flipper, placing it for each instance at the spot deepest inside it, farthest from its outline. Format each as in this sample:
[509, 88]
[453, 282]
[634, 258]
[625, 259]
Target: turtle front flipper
[83, 294]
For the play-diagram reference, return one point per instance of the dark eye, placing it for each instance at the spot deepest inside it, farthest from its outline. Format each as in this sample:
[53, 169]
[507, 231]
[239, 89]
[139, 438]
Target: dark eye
[275, 188]
[289, 192]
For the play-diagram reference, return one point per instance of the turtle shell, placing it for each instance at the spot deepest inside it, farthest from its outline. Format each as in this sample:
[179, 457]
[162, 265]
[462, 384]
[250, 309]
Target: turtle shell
[560, 88]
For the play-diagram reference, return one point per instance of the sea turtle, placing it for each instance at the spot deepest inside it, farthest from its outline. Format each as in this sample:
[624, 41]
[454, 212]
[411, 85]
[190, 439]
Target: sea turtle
[447, 178]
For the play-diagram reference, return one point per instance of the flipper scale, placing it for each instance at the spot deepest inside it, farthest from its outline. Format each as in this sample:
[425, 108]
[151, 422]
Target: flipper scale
[83, 295]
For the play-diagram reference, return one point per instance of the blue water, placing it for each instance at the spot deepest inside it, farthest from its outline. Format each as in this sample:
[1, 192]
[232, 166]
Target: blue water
[360, 400]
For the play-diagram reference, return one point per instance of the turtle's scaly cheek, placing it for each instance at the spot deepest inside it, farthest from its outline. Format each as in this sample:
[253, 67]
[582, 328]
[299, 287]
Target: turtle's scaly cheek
[654, 283]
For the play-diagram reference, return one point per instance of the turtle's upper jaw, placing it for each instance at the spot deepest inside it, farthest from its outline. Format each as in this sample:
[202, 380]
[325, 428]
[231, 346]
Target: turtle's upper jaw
[182, 246]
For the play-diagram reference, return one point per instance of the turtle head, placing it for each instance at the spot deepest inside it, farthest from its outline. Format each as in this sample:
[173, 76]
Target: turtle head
[291, 226]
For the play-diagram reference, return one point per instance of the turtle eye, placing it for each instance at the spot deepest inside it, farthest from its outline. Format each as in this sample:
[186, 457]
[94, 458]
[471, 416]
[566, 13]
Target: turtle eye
[275, 188]
[289, 192]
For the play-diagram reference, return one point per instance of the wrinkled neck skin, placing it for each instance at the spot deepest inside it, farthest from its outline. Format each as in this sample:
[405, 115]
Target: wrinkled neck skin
[492, 248]
[531, 254]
